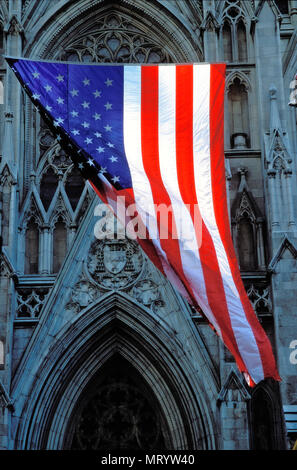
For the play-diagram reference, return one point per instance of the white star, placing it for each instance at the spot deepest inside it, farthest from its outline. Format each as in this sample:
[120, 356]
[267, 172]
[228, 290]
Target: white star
[97, 134]
[85, 124]
[102, 171]
[116, 179]
[96, 116]
[48, 88]
[60, 100]
[108, 106]
[108, 82]
[35, 74]
[81, 166]
[58, 137]
[75, 132]
[35, 96]
[74, 113]
[74, 92]
[60, 78]
[88, 141]
[86, 81]
[110, 145]
[100, 149]
[90, 162]
[85, 104]
[48, 108]
[97, 94]
[60, 120]
[107, 128]
[113, 159]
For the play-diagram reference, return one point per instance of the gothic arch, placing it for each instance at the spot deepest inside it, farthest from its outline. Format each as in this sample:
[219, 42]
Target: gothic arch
[266, 417]
[242, 77]
[153, 20]
[116, 325]
[238, 108]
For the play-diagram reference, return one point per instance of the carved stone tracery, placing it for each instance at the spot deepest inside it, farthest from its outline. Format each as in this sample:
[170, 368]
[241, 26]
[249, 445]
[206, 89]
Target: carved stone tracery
[30, 302]
[259, 296]
[115, 38]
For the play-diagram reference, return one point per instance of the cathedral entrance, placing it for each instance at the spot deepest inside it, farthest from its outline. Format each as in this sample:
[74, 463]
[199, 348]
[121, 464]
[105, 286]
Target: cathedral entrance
[117, 410]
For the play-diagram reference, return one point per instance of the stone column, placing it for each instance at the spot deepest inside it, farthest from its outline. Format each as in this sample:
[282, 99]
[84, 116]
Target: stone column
[260, 245]
[290, 209]
[8, 144]
[72, 232]
[293, 12]
[6, 291]
[273, 199]
[45, 250]
[228, 183]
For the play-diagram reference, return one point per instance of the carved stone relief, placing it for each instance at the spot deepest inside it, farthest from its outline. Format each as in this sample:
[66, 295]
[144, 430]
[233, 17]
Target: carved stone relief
[114, 264]
[82, 294]
[147, 293]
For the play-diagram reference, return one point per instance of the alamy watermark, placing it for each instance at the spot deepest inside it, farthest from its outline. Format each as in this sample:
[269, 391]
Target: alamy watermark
[160, 221]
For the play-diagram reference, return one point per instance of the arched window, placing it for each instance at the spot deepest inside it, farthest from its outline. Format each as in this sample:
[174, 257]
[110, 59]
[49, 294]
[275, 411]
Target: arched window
[246, 244]
[262, 421]
[238, 114]
[234, 33]
[32, 248]
[74, 186]
[227, 42]
[48, 186]
[241, 41]
[59, 244]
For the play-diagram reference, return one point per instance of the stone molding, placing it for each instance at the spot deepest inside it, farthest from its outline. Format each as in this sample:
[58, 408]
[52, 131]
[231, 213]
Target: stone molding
[5, 400]
[286, 244]
[233, 390]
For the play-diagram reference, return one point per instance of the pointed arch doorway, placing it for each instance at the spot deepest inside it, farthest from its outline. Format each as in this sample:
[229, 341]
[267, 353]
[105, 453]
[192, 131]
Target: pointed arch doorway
[116, 377]
[116, 411]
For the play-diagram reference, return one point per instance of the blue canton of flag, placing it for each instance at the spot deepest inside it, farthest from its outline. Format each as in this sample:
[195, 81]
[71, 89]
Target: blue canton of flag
[88, 106]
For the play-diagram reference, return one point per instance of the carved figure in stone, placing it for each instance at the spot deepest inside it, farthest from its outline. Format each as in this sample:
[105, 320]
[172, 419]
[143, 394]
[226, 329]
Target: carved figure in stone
[146, 292]
[84, 293]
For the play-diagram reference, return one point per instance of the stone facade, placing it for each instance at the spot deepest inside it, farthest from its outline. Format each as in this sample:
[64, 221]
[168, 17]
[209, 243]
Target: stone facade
[82, 319]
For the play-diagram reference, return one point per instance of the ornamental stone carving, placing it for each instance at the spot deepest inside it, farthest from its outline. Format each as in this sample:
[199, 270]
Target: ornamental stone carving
[30, 302]
[115, 39]
[147, 293]
[114, 264]
[82, 294]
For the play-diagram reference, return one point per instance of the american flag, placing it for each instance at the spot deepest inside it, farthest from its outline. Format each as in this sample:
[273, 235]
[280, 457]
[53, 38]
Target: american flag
[154, 134]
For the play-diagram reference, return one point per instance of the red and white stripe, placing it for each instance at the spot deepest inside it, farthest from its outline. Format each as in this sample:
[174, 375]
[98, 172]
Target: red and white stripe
[173, 137]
